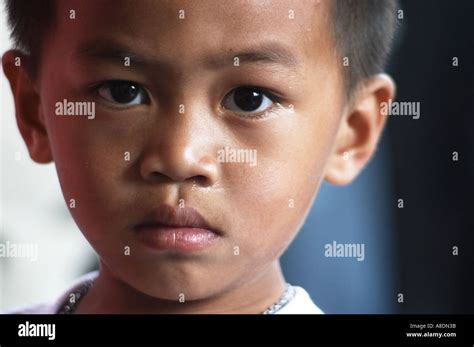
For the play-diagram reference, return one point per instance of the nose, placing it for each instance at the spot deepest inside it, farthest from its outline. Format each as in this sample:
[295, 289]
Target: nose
[180, 149]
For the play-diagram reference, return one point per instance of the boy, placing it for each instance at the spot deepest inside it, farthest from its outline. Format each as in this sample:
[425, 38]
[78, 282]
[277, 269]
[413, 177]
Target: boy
[190, 137]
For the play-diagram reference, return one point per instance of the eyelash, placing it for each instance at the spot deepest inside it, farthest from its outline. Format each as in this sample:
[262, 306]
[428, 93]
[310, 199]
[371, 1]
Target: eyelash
[269, 112]
[97, 87]
[273, 111]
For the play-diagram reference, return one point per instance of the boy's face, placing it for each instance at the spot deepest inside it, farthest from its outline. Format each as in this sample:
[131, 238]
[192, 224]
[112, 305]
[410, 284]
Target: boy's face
[133, 157]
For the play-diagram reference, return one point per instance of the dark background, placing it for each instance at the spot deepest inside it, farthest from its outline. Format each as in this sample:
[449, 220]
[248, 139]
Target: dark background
[439, 191]
[408, 250]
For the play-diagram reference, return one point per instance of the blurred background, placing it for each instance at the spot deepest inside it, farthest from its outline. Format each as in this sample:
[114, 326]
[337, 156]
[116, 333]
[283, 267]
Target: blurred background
[410, 263]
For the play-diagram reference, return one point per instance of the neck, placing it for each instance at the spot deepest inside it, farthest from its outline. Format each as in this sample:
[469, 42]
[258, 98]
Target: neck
[111, 295]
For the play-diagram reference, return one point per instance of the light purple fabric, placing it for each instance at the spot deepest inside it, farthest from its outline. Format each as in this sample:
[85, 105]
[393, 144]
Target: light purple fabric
[54, 306]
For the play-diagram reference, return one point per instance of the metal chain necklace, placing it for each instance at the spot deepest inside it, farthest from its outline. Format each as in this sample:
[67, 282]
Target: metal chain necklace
[285, 298]
[75, 297]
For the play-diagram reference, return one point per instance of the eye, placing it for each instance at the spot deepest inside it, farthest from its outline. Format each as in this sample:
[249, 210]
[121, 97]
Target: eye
[247, 100]
[124, 93]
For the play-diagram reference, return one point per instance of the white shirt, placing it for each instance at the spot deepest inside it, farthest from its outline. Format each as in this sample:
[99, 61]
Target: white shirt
[300, 304]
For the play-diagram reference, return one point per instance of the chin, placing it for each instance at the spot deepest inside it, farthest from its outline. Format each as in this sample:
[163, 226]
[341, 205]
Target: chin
[175, 284]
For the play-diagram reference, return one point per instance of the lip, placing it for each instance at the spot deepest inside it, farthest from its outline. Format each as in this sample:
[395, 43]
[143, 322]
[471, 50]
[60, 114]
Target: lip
[176, 229]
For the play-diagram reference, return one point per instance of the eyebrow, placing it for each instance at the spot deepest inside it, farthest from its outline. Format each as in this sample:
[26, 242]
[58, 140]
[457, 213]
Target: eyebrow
[267, 53]
[270, 53]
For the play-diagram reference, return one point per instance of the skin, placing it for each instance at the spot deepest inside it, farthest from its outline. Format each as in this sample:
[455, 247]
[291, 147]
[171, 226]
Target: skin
[315, 134]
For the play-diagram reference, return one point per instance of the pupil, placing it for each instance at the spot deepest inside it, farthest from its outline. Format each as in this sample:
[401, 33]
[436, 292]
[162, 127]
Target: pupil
[248, 99]
[123, 92]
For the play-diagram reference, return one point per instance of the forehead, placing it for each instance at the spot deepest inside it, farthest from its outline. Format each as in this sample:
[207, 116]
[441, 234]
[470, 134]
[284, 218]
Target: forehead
[190, 29]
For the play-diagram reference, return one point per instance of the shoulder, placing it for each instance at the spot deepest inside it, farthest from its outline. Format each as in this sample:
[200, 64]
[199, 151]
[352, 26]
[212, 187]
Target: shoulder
[53, 306]
[300, 304]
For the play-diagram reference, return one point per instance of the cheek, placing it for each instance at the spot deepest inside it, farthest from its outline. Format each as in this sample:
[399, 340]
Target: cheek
[84, 159]
[271, 199]
[91, 172]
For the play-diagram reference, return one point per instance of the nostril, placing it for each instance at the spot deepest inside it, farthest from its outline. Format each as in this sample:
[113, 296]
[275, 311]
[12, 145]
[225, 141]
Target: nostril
[158, 177]
[201, 181]
[179, 166]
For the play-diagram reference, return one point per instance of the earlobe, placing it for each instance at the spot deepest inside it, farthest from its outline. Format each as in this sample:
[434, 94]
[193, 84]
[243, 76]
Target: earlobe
[27, 107]
[360, 130]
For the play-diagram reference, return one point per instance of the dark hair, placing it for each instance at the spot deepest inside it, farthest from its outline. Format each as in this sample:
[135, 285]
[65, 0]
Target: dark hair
[28, 21]
[363, 32]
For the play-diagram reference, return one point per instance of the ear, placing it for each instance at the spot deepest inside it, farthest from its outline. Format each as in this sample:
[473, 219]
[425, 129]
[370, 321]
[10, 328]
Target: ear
[29, 115]
[360, 130]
